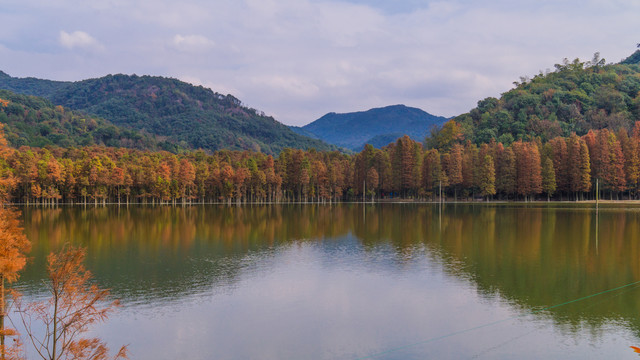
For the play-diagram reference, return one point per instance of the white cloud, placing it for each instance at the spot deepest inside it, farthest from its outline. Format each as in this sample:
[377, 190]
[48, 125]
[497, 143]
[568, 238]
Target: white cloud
[79, 39]
[191, 43]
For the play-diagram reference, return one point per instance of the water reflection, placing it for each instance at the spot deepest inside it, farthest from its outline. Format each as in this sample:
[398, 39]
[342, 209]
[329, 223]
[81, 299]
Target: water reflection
[527, 257]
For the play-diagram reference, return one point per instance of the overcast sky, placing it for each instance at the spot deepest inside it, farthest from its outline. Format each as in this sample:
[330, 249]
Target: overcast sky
[299, 59]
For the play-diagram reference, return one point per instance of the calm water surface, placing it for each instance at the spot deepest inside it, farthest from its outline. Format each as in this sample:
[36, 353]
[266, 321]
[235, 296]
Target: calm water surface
[387, 281]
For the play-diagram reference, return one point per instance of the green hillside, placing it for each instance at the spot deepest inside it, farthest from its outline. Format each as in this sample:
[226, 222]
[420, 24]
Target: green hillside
[192, 116]
[35, 121]
[576, 97]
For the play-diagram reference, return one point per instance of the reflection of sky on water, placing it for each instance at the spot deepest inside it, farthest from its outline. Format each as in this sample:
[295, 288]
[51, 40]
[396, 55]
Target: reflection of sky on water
[313, 301]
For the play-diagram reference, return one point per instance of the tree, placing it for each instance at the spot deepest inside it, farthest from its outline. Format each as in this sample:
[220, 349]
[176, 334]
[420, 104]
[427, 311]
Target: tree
[186, 178]
[7, 180]
[574, 167]
[585, 168]
[372, 182]
[506, 182]
[406, 155]
[528, 168]
[560, 163]
[487, 177]
[432, 172]
[362, 163]
[13, 247]
[73, 306]
[453, 167]
[548, 178]
[471, 162]
[445, 137]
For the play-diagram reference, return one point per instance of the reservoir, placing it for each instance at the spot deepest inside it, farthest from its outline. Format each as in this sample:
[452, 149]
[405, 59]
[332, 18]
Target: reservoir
[357, 281]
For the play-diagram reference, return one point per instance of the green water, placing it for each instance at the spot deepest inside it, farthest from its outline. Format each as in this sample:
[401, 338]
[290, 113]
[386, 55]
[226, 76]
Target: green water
[351, 281]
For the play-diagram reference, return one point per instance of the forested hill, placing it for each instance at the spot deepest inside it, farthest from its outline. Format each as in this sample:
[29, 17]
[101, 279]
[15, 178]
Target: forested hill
[378, 126]
[35, 121]
[191, 116]
[576, 97]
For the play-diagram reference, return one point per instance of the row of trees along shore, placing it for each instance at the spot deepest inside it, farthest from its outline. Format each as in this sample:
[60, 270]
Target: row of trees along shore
[564, 168]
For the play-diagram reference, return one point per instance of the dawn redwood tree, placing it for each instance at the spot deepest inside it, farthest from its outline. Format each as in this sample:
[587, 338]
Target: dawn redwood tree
[471, 163]
[528, 169]
[453, 167]
[240, 182]
[548, 178]
[560, 163]
[372, 182]
[616, 157]
[585, 168]
[406, 155]
[487, 177]
[383, 167]
[363, 161]
[632, 159]
[186, 178]
[506, 180]
[607, 160]
[319, 170]
[73, 305]
[162, 183]
[14, 246]
[432, 172]
[24, 163]
[200, 180]
[573, 166]
[336, 178]
[305, 179]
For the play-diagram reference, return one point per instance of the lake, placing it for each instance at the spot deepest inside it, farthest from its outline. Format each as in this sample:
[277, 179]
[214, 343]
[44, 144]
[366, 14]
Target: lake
[353, 281]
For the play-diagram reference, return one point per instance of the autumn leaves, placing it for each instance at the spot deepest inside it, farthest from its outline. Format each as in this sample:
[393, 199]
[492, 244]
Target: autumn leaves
[13, 248]
[54, 325]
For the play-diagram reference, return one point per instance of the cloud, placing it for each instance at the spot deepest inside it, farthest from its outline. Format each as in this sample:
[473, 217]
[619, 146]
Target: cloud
[80, 40]
[191, 43]
[299, 59]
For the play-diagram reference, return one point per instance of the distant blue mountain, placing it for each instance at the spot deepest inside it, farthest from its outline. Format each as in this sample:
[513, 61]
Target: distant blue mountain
[377, 127]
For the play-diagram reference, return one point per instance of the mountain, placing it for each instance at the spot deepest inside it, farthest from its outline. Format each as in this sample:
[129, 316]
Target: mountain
[189, 116]
[575, 98]
[354, 130]
[35, 121]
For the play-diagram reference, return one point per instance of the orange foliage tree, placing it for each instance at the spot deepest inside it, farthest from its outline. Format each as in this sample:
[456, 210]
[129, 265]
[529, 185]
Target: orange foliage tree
[74, 305]
[13, 247]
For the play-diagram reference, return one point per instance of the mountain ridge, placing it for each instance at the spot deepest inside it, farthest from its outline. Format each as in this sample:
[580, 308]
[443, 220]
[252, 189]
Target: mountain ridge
[355, 129]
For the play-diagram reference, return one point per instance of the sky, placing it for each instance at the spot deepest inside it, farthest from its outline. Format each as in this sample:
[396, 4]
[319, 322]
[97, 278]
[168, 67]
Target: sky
[297, 60]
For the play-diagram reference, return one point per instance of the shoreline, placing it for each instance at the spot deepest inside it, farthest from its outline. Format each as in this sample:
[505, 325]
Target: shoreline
[383, 201]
